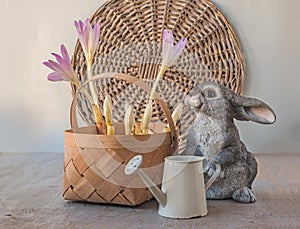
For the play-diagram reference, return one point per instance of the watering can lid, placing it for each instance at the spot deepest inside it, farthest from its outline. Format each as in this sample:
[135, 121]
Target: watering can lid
[134, 164]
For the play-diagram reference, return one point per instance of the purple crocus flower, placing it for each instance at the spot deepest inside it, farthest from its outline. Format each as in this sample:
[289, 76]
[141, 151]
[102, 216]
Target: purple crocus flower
[63, 69]
[88, 37]
[170, 52]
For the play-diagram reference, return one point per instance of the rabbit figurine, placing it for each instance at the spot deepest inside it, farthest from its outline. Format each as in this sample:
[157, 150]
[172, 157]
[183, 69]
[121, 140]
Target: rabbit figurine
[215, 135]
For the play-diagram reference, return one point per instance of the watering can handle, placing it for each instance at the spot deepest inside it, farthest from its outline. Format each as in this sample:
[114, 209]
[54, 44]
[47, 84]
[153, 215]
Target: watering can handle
[214, 176]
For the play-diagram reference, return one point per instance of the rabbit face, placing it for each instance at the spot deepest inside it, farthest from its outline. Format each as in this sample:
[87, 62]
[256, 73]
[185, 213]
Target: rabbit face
[218, 102]
[208, 98]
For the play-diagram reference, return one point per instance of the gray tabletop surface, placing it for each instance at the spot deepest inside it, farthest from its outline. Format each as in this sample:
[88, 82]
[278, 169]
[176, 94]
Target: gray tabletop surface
[31, 186]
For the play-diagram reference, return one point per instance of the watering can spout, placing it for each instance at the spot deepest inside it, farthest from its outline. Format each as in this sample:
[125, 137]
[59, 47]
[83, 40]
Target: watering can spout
[134, 166]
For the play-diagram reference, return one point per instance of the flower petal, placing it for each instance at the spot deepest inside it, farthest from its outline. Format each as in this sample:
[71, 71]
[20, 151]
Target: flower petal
[88, 37]
[177, 51]
[168, 37]
[87, 29]
[96, 35]
[55, 66]
[87, 22]
[51, 64]
[65, 54]
[59, 59]
[80, 26]
[63, 69]
[167, 52]
[180, 45]
[55, 77]
[167, 47]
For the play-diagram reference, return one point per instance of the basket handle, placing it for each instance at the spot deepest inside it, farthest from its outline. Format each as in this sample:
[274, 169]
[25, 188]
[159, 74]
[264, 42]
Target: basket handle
[133, 80]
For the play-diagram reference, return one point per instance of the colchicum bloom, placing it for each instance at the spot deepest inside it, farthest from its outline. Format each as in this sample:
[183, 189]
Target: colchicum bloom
[63, 69]
[88, 37]
[170, 53]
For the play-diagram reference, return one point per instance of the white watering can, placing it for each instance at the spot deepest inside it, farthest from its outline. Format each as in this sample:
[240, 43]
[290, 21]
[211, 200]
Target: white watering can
[183, 188]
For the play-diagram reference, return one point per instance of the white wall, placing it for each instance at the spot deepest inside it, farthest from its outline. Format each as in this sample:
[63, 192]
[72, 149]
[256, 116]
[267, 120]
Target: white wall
[269, 31]
[34, 112]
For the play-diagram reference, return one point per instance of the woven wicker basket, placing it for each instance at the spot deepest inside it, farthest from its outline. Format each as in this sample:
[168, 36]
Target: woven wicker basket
[130, 42]
[94, 164]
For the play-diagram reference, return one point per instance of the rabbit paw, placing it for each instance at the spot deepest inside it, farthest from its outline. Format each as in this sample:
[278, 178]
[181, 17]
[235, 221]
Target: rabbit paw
[211, 171]
[244, 195]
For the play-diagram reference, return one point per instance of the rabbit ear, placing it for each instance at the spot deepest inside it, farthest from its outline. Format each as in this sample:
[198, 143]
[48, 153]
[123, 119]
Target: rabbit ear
[251, 109]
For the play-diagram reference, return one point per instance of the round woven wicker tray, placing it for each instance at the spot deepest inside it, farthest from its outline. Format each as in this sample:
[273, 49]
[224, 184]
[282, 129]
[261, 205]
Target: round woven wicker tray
[130, 42]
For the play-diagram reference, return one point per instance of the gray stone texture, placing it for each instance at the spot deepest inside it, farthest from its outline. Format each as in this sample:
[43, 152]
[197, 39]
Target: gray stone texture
[215, 135]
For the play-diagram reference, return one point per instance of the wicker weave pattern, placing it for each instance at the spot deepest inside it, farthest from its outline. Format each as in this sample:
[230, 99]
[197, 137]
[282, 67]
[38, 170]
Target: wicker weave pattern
[95, 172]
[131, 32]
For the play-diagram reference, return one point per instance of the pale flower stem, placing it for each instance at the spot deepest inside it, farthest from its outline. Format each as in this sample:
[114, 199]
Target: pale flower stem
[161, 72]
[98, 119]
[148, 111]
[96, 110]
[91, 83]
[95, 105]
[85, 92]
